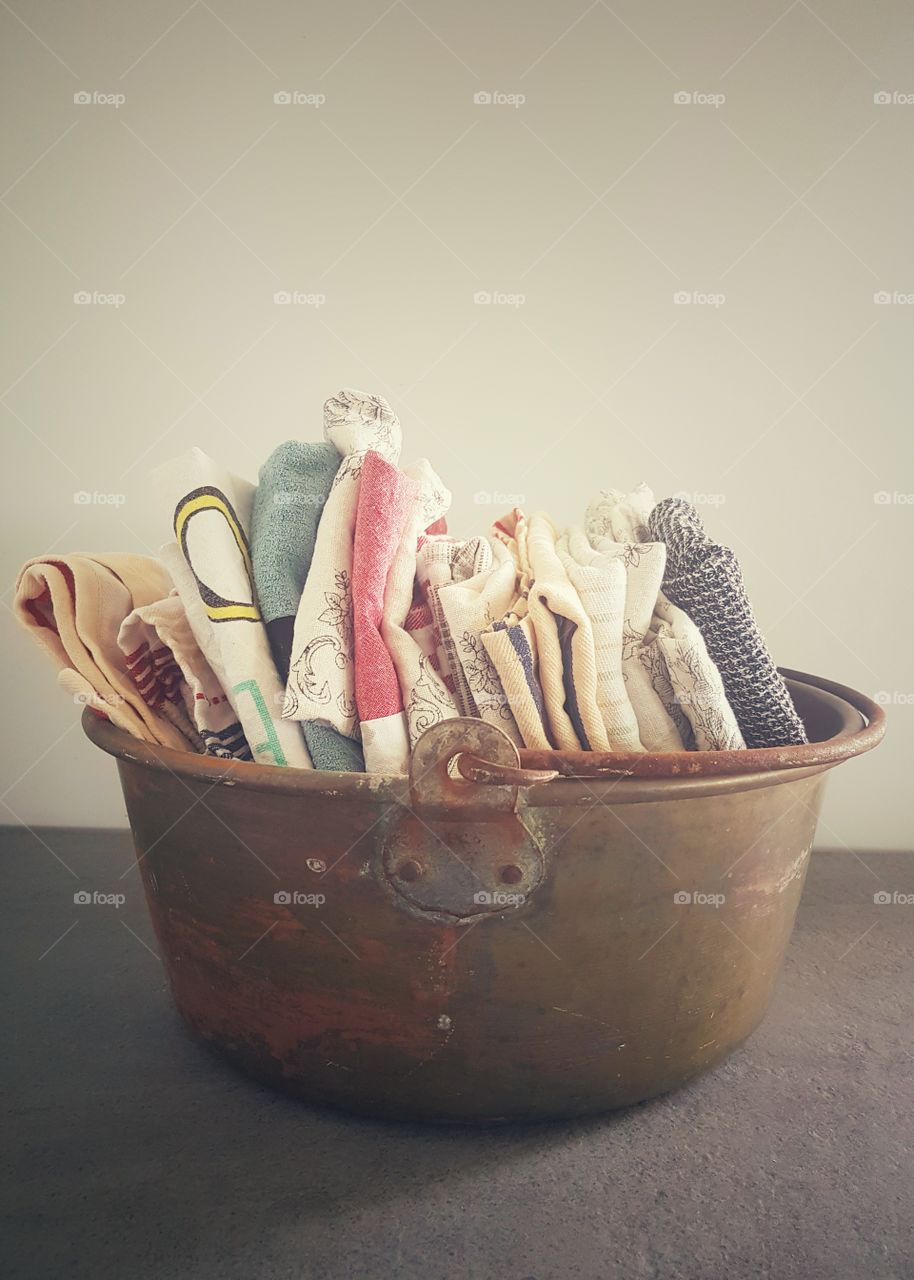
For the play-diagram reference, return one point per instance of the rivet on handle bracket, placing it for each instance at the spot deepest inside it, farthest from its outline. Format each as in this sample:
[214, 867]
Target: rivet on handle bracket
[460, 851]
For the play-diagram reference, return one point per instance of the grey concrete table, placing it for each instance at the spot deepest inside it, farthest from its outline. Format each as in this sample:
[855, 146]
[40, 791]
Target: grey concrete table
[134, 1153]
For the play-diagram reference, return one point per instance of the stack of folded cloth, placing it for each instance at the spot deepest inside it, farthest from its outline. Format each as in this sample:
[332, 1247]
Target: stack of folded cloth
[325, 618]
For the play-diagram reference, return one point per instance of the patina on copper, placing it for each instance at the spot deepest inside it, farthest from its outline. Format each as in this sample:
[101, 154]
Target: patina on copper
[434, 948]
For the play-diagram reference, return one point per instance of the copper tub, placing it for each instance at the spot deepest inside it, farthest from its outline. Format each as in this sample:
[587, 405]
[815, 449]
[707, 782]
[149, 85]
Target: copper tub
[482, 942]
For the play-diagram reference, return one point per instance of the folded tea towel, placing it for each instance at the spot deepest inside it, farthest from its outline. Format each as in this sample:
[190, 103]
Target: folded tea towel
[600, 581]
[293, 486]
[617, 524]
[704, 578]
[163, 628]
[622, 517]
[653, 659]
[321, 684]
[468, 608]
[697, 689]
[80, 691]
[441, 560]
[386, 504]
[73, 606]
[156, 674]
[564, 641]
[211, 519]
[407, 628]
[644, 563]
[510, 642]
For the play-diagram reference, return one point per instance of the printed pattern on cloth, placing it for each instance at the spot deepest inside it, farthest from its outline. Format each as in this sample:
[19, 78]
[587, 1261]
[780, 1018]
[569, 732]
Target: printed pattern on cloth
[211, 567]
[439, 562]
[469, 608]
[697, 689]
[321, 684]
[73, 606]
[163, 628]
[621, 517]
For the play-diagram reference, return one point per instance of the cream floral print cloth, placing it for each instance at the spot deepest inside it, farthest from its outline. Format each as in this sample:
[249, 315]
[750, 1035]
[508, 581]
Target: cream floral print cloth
[671, 651]
[696, 684]
[321, 684]
[622, 517]
[470, 608]
[440, 561]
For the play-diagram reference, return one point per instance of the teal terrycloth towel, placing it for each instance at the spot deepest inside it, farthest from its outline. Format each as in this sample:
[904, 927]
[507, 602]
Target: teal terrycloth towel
[292, 489]
[293, 486]
[330, 750]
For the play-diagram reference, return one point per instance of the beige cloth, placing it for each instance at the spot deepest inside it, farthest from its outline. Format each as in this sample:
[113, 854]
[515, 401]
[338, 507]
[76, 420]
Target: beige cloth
[600, 581]
[470, 608]
[440, 561]
[73, 607]
[564, 639]
[510, 641]
[164, 625]
[622, 517]
[695, 681]
[617, 524]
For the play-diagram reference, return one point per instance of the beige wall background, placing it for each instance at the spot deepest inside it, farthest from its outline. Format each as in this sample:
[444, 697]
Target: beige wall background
[585, 167]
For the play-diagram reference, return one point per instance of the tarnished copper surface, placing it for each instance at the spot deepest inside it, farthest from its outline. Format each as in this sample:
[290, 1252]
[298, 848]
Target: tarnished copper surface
[302, 944]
